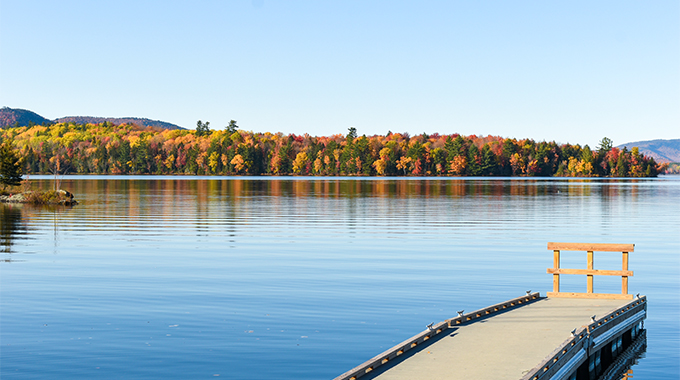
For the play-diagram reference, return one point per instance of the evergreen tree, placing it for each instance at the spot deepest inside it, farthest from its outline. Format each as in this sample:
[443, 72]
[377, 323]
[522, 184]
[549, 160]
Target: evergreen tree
[622, 163]
[606, 145]
[488, 161]
[232, 127]
[10, 166]
[202, 128]
[458, 147]
[352, 133]
[473, 167]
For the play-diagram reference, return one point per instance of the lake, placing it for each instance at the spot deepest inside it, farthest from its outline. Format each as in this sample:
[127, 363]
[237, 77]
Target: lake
[305, 278]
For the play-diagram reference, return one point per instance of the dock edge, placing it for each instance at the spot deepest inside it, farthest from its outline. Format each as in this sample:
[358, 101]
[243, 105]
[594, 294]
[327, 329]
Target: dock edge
[413, 342]
[588, 340]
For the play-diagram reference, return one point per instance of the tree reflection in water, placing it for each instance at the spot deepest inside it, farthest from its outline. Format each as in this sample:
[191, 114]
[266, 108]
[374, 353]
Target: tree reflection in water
[10, 225]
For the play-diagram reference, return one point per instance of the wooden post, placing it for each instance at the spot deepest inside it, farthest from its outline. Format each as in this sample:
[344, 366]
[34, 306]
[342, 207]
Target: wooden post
[590, 276]
[624, 279]
[556, 276]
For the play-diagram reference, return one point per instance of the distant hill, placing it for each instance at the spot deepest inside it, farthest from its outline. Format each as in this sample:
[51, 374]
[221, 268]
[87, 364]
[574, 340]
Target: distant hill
[142, 122]
[11, 116]
[661, 150]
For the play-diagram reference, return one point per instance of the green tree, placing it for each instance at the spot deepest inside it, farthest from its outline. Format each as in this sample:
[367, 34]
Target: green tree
[605, 145]
[439, 160]
[488, 161]
[139, 157]
[587, 154]
[352, 133]
[360, 151]
[202, 128]
[285, 153]
[10, 166]
[455, 147]
[622, 163]
[232, 127]
[417, 153]
[473, 167]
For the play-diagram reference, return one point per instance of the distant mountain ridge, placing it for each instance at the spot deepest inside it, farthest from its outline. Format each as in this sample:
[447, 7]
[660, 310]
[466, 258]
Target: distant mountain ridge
[11, 116]
[660, 150]
[142, 122]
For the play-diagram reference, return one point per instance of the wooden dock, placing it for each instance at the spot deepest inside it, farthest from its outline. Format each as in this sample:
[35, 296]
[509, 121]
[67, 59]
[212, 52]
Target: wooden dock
[563, 336]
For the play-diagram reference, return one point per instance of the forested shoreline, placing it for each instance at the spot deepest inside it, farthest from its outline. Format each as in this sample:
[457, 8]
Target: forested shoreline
[129, 149]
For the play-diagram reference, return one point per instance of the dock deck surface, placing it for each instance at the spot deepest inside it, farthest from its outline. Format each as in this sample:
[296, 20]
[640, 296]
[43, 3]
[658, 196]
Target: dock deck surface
[505, 346]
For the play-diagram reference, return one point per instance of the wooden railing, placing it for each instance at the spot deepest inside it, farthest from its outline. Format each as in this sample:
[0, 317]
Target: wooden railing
[590, 271]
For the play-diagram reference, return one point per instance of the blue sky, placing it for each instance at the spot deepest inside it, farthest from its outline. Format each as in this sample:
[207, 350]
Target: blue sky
[570, 71]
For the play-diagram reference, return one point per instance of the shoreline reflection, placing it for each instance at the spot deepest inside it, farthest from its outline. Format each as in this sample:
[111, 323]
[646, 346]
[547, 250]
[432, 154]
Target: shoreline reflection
[11, 224]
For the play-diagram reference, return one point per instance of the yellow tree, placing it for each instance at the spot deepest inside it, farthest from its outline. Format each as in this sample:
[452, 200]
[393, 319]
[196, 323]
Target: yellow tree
[405, 164]
[239, 163]
[213, 160]
[300, 163]
[380, 166]
[573, 166]
[318, 164]
[517, 163]
[170, 161]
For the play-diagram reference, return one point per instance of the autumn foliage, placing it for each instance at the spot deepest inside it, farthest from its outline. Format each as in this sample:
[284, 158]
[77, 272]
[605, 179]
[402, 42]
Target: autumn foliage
[129, 149]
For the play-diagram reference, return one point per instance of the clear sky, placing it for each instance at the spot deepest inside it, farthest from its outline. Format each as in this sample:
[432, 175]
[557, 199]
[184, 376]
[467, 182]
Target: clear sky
[568, 71]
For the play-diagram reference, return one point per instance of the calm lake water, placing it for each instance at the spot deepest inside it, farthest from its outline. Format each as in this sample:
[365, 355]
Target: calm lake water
[305, 278]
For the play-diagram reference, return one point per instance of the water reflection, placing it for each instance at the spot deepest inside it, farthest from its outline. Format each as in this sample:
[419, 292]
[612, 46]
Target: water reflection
[621, 368]
[10, 226]
[15, 223]
[236, 187]
[229, 200]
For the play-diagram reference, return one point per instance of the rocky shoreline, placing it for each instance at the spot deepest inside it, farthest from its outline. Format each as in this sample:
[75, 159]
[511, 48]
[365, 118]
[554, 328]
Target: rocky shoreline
[59, 197]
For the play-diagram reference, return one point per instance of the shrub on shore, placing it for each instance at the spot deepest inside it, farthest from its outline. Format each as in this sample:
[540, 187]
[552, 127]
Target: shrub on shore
[49, 197]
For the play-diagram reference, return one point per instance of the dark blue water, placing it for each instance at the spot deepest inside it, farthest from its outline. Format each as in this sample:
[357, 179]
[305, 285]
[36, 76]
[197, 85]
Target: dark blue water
[282, 278]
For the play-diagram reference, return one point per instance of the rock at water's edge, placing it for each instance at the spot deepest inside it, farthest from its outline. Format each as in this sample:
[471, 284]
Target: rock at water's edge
[13, 198]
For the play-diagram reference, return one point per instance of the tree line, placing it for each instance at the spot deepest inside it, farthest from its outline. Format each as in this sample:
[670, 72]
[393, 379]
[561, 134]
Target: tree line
[106, 148]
